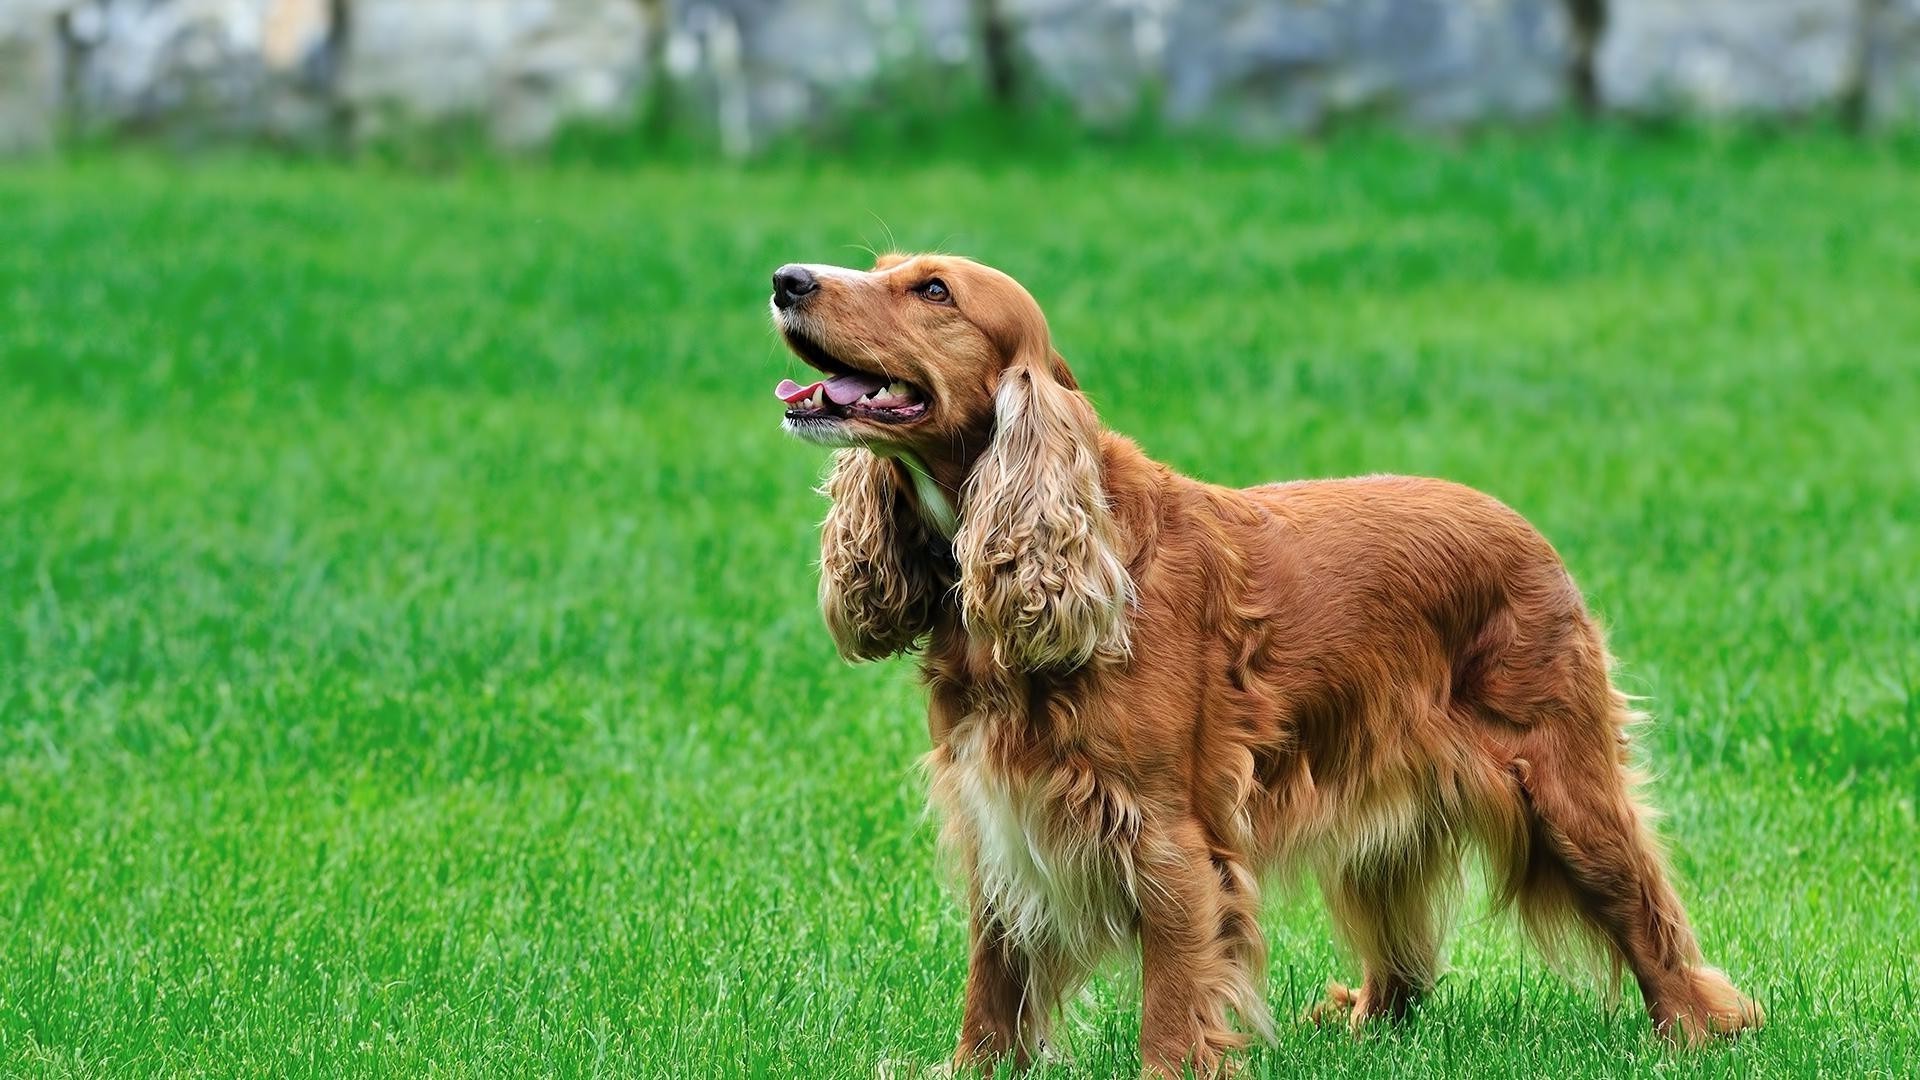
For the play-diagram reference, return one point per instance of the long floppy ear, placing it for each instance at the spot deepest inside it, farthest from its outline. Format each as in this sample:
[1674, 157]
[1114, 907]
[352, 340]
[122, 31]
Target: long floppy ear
[878, 579]
[1035, 547]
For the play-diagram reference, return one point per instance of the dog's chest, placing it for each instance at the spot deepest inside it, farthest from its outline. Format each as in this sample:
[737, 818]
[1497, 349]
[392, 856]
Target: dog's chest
[1045, 855]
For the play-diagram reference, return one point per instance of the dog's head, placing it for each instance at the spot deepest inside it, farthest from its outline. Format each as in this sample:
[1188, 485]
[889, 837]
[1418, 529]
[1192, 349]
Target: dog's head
[910, 354]
[949, 364]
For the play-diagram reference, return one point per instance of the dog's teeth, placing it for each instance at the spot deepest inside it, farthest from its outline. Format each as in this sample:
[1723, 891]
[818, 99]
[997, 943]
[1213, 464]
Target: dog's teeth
[819, 397]
[898, 389]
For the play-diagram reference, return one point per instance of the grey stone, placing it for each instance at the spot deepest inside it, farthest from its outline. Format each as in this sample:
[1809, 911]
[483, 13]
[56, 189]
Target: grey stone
[525, 66]
[572, 59]
[1282, 66]
[1893, 63]
[29, 74]
[1728, 56]
[757, 66]
[226, 65]
[749, 68]
[423, 60]
[1102, 55]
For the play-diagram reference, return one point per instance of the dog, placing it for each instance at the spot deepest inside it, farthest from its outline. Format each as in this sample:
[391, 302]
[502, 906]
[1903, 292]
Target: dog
[1147, 693]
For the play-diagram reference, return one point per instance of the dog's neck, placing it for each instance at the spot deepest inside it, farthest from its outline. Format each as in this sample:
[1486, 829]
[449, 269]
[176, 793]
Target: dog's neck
[935, 504]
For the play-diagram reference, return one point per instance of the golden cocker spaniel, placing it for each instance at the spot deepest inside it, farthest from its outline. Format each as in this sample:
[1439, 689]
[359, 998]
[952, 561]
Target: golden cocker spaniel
[1146, 691]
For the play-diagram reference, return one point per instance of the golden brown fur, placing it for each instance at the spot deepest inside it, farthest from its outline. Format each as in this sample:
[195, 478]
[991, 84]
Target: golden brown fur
[1147, 691]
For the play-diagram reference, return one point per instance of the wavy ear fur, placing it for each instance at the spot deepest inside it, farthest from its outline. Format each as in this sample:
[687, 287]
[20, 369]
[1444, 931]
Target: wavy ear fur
[1035, 547]
[878, 579]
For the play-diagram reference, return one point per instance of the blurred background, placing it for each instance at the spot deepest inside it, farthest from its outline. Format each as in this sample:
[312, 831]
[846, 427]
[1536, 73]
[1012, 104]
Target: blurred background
[738, 72]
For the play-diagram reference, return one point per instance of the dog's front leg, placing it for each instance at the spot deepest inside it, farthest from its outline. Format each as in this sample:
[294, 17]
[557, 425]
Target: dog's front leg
[1003, 1017]
[1200, 954]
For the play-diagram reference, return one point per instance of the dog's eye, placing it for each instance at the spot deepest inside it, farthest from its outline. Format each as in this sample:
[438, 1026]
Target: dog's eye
[936, 291]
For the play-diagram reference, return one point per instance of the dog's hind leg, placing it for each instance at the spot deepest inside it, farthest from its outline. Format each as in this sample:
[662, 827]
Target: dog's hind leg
[1391, 908]
[1591, 858]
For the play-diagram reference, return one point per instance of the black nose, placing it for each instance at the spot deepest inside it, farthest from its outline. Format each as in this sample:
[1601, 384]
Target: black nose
[791, 284]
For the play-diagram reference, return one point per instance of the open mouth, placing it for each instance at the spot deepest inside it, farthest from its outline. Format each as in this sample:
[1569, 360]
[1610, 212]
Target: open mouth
[847, 393]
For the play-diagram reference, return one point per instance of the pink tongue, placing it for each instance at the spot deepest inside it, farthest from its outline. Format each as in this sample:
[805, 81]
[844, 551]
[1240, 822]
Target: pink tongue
[841, 390]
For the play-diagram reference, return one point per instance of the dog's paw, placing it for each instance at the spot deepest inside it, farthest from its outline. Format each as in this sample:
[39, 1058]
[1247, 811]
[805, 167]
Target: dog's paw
[1340, 1006]
[902, 1069]
[1711, 1009]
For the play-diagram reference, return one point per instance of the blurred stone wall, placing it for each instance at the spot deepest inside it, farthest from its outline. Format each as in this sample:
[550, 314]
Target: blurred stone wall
[522, 68]
[30, 72]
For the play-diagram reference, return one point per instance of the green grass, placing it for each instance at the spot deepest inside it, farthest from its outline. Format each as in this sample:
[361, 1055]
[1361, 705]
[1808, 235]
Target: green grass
[408, 659]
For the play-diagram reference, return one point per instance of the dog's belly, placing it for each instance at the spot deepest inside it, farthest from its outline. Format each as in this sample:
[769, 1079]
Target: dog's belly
[1049, 866]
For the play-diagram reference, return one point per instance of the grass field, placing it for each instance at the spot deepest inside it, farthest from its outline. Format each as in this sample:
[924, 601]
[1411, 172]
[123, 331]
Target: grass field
[408, 658]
